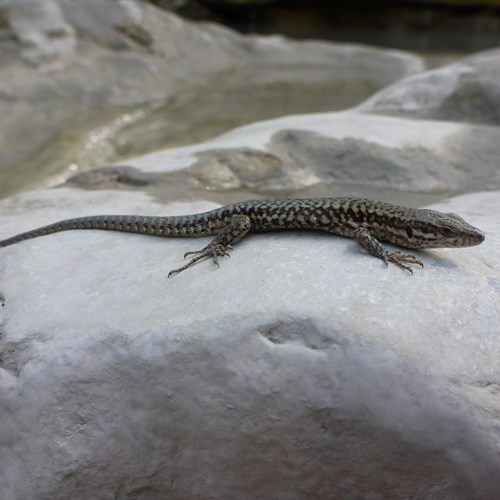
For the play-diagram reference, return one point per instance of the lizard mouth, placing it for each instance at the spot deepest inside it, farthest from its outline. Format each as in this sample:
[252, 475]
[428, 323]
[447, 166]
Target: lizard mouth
[476, 238]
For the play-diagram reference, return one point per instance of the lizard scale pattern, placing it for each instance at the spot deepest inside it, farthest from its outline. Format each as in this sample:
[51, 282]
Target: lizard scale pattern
[367, 221]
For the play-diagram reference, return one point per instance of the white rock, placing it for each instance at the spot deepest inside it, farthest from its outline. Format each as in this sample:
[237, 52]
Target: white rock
[40, 27]
[116, 78]
[465, 91]
[302, 368]
[355, 148]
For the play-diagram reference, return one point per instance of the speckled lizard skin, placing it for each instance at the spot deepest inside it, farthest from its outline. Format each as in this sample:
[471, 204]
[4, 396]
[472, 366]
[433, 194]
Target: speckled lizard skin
[368, 222]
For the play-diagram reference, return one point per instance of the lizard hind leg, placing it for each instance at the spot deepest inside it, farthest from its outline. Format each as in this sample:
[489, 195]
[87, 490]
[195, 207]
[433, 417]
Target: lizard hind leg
[220, 246]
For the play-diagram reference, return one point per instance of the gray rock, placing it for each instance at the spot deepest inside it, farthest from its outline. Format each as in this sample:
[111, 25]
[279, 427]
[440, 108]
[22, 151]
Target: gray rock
[337, 151]
[87, 83]
[301, 368]
[467, 160]
[465, 91]
[41, 30]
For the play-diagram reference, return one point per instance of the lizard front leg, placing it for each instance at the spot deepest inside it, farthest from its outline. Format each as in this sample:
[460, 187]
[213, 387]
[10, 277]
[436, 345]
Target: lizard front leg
[220, 246]
[374, 247]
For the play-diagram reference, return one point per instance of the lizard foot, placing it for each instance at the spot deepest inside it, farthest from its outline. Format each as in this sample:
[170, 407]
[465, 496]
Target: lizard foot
[402, 260]
[214, 250]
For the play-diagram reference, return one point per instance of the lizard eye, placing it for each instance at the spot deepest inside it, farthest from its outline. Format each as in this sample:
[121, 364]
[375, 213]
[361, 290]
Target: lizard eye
[446, 231]
[409, 231]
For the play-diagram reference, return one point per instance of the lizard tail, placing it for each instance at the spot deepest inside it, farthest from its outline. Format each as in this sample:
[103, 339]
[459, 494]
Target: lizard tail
[79, 223]
[155, 226]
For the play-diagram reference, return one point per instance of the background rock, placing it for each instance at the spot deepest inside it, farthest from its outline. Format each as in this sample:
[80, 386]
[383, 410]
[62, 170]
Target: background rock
[41, 29]
[466, 91]
[96, 81]
[394, 159]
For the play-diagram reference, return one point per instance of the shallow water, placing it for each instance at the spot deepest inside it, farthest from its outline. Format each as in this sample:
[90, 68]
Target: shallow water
[192, 115]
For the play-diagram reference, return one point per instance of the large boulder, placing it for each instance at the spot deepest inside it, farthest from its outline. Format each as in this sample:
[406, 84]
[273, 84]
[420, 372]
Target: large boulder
[301, 368]
[321, 154]
[465, 91]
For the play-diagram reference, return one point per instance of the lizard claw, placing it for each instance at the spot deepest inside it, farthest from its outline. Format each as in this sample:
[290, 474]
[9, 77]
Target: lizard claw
[214, 250]
[404, 261]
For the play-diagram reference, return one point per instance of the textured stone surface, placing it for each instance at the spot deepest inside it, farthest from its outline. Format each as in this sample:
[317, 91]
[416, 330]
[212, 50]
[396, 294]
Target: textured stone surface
[336, 151]
[300, 368]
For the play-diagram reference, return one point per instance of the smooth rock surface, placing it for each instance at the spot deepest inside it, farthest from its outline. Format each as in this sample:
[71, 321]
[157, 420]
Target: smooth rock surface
[84, 83]
[301, 368]
[465, 91]
[337, 152]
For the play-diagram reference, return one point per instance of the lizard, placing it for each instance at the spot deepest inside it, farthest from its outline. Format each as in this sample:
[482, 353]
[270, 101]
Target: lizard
[367, 221]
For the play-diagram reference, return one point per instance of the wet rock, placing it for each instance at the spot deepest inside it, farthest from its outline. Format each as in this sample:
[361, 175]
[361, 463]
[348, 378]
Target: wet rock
[88, 83]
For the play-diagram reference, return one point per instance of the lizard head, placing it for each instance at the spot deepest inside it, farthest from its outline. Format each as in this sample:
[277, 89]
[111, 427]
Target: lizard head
[431, 229]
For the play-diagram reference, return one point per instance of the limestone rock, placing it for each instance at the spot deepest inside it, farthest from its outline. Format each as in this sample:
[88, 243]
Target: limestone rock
[85, 83]
[41, 29]
[300, 357]
[301, 368]
[331, 151]
[466, 91]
